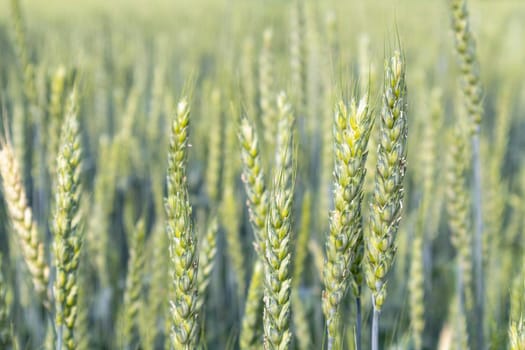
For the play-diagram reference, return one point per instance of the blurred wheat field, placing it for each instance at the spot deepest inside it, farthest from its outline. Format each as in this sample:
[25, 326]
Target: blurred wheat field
[239, 174]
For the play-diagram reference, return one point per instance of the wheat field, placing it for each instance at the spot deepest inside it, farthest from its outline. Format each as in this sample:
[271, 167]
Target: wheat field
[241, 174]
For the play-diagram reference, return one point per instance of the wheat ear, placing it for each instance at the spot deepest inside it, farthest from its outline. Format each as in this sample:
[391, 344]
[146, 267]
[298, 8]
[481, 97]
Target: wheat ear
[182, 241]
[344, 243]
[386, 201]
[67, 233]
[277, 274]
[21, 217]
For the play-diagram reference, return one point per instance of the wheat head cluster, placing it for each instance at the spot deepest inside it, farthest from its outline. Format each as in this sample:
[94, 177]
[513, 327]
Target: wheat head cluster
[240, 174]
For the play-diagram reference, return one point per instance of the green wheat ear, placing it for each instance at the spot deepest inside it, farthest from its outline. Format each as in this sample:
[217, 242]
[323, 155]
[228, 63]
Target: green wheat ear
[182, 241]
[255, 186]
[344, 243]
[385, 211]
[459, 214]
[67, 234]
[277, 272]
[387, 198]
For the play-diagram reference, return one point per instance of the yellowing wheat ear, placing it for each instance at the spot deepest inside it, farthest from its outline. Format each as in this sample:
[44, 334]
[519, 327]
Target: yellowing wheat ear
[22, 221]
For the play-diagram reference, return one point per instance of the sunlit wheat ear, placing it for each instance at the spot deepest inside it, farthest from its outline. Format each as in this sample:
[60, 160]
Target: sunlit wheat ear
[67, 234]
[277, 257]
[344, 242]
[21, 218]
[386, 201]
[181, 236]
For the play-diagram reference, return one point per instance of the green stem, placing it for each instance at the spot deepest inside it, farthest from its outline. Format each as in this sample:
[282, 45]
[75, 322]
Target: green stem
[358, 321]
[375, 330]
